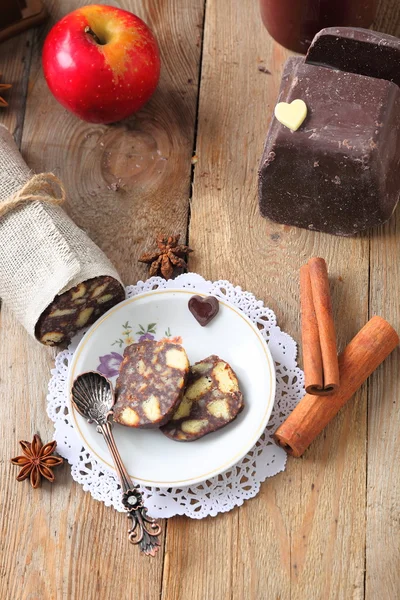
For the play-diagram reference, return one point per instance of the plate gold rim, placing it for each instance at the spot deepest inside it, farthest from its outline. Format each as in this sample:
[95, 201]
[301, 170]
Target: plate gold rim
[245, 448]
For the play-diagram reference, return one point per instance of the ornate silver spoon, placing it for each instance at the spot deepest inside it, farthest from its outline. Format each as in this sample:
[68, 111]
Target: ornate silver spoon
[92, 395]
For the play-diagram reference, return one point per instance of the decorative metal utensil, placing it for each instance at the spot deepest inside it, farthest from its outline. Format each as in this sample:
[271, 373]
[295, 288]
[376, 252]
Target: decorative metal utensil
[93, 397]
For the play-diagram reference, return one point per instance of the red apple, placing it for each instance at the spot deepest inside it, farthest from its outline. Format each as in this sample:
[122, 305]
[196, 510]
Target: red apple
[102, 63]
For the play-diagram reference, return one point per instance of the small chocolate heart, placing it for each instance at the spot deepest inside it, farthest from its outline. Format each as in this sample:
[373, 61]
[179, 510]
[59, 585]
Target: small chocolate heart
[203, 309]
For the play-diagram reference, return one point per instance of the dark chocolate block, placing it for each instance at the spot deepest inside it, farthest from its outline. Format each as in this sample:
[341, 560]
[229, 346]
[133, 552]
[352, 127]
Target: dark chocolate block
[357, 51]
[340, 171]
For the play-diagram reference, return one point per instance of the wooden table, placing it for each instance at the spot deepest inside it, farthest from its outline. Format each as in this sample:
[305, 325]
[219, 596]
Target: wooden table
[329, 526]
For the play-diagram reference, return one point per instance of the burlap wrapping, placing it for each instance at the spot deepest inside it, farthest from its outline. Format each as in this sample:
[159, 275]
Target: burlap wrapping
[42, 252]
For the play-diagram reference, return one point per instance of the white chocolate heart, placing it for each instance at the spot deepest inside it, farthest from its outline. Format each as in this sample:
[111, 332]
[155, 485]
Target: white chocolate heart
[291, 115]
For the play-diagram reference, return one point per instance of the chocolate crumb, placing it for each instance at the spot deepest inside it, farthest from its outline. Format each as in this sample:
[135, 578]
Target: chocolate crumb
[263, 69]
[115, 186]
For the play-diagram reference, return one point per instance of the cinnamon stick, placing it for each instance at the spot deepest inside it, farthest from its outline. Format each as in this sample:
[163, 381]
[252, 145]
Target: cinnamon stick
[320, 359]
[366, 351]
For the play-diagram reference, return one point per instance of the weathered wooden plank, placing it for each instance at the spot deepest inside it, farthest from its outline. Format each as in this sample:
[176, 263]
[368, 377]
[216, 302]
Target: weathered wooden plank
[15, 61]
[300, 537]
[388, 17]
[15, 57]
[383, 525]
[383, 491]
[126, 183]
[129, 180]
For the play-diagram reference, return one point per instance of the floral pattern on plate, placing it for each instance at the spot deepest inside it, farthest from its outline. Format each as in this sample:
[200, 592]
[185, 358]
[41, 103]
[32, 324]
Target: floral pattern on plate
[110, 363]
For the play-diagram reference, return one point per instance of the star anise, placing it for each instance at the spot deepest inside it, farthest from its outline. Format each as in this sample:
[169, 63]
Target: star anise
[3, 87]
[37, 461]
[168, 256]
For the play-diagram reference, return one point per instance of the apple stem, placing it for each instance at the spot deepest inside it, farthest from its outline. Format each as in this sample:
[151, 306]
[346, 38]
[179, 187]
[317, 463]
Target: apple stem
[94, 36]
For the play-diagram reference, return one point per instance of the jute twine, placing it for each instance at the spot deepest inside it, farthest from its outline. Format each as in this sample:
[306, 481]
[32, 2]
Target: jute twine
[42, 251]
[44, 187]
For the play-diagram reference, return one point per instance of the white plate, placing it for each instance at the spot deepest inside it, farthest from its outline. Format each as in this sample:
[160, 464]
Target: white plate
[150, 457]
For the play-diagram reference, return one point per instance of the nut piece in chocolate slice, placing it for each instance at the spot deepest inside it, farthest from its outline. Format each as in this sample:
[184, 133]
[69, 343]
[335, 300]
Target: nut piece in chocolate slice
[357, 50]
[212, 399]
[340, 171]
[150, 384]
[76, 308]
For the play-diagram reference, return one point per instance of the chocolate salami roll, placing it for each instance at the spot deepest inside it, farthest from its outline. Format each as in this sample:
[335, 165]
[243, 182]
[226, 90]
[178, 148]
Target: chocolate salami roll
[53, 277]
[80, 306]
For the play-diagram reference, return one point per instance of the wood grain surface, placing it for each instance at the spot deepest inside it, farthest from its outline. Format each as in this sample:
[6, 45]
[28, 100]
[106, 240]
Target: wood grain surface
[326, 528]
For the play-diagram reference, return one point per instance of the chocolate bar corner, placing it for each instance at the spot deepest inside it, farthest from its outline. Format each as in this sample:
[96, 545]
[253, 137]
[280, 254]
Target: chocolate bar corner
[339, 173]
[357, 50]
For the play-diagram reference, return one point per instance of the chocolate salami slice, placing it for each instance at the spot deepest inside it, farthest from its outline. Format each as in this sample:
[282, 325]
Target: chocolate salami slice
[212, 400]
[78, 307]
[150, 384]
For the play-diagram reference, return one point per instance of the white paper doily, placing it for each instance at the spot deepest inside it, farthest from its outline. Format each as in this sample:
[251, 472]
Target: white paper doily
[219, 494]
